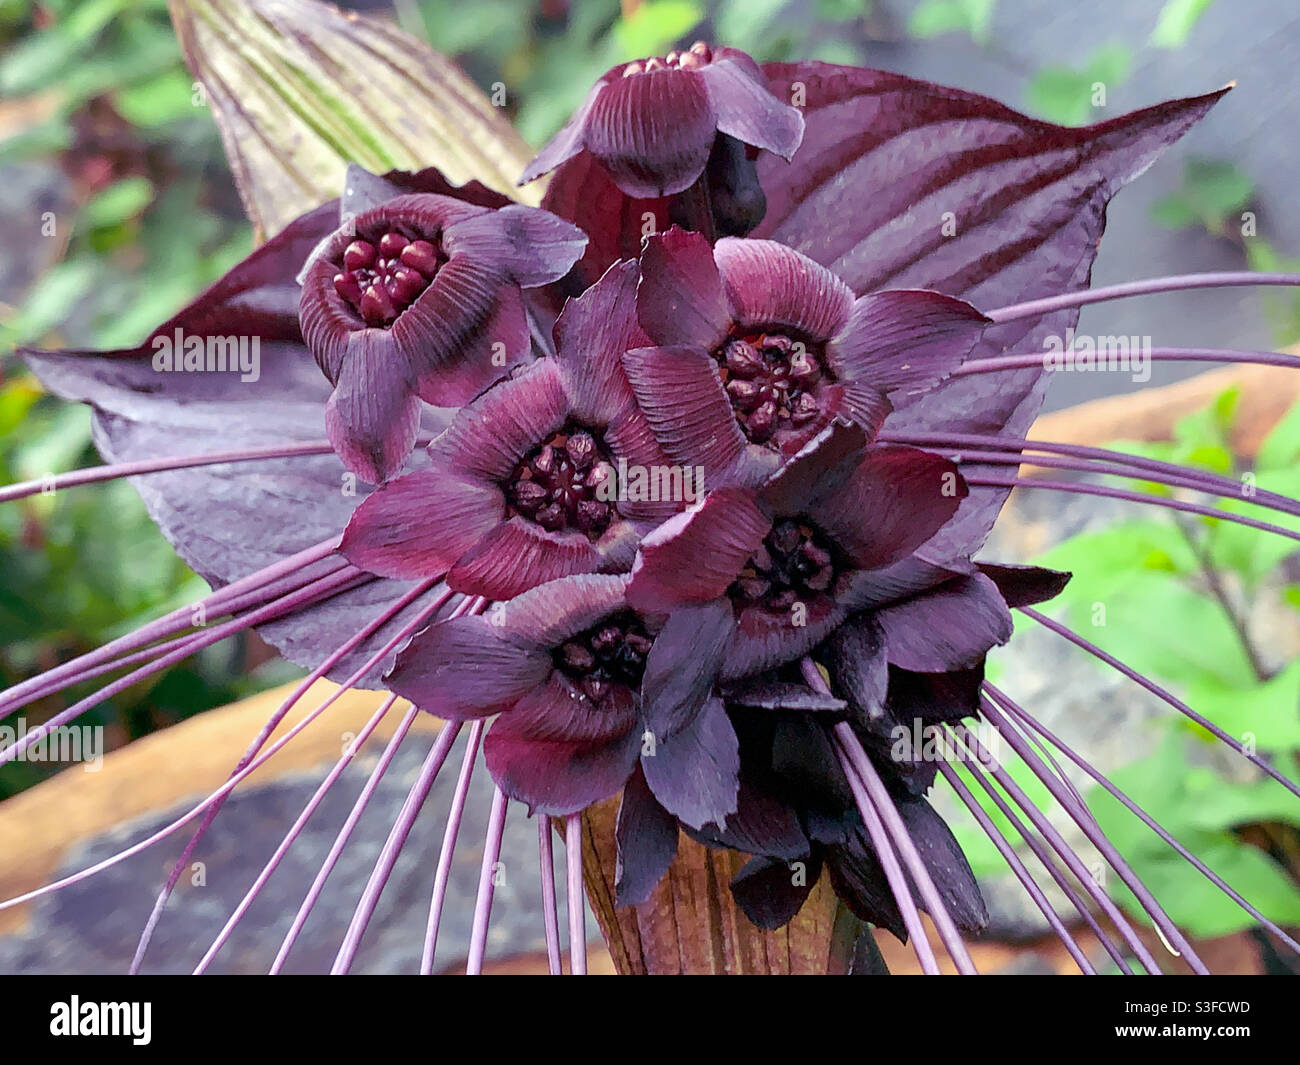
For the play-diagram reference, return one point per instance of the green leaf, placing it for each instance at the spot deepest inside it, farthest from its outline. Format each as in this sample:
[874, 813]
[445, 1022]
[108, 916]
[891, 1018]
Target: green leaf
[1267, 714]
[931, 18]
[1253, 553]
[1281, 448]
[652, 28]
[1211, 192]
[299, 89]
[1105, 561]
[1176, 21]
[1065, 94]
[118, 202]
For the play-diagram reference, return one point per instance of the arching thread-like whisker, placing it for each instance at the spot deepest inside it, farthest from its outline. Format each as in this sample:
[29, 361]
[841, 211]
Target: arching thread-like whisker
[1056, 842]
[1142, 815]
[856, 762]
[281, 712]
[341, 839]
[215, 605]
[487, 884]
[1017, 867]
[1161, 693]
[294, 831]
[1078, 488]
[550, 904]
[1148, 287]
[1082, 817]
[383, 869]
[442, 877]
[576, 898]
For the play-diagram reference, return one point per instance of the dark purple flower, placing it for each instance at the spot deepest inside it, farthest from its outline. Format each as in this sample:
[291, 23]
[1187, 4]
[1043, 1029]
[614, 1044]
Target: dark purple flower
[652, 123]
[420, 299]
[833, 532]
[552, 472]
[758, 348]
[585, 688]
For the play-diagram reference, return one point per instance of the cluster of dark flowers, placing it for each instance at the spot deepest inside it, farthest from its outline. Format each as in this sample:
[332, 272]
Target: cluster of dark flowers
[716, 281]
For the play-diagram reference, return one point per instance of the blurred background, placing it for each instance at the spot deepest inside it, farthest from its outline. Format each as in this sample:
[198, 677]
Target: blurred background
[117, 208]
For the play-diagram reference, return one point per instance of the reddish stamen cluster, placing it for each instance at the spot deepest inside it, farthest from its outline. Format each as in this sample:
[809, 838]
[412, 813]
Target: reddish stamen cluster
[380, 279]
[772, 383]
[611, 652]
[695, 57]
[795, 563]
[559, 484]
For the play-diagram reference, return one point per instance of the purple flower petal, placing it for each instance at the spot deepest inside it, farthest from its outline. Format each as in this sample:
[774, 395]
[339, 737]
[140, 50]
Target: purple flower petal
[744, 106]
[652, 132]
[646, 835]
[373, 416]
[694, 557]
[859, 881]
[855, 659]
[763, 640]
[952, 627]
[682, 665]
[518, 554]
[591, 335]
[946, 863]
[530, 246]
[420, 524]
[695, 772]
[679, 392]
[680, 300]
[1025, 585]
[565, 144]
[771, 892]
[462, 668]
[893, 502]
[762, 824]
[768, 284]
[559, 753]
[548, 615]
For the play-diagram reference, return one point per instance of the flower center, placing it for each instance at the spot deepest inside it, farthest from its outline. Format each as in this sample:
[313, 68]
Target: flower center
[559, 484]
[610, 652]
[693, 58]
[381, 278]
[772, 381]
[796, 562]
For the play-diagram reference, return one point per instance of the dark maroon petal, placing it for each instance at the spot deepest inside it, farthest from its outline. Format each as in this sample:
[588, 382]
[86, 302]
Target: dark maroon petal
[565, 144]
[905, 342]
[591, 335]
[518, 554]
[582, 191]
[1025, 585]
[763, 640]
[770, 284]
[893, 501]
[744, 106]
[489, 437]
[946, 863]
[682, 666]
[870, 589]
[463, 332]
[652, 131]
[694, 557]
[803, 757]
[762, 824]
[932, 698]
[463, 669]
[558, 752]
[530, 246]
[680, 300]
[694, 773]
[646, 835]
[860, 883]
[548, 615]
[679, 392]
[855, 659]
[373, 416]
[771, 892]
[818, 470]
[1027, 207]
[418, 525]
[952, 627]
